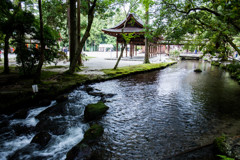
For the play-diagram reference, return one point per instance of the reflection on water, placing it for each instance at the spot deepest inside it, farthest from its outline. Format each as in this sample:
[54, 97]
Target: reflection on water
[161, 113]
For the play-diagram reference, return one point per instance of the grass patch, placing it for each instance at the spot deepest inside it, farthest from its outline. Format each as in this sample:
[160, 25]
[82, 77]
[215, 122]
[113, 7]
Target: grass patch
[135, 69]
[55, 67]
[13, 69]
[89, 57]
[47, 75]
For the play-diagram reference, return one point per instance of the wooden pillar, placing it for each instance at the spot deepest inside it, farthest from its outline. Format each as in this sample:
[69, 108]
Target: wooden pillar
[149, 50]
[168, 49]
[130, 50]
[117, 50]
[135, 50]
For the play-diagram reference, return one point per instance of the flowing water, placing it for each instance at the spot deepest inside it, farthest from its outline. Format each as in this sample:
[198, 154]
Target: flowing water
[152, 116]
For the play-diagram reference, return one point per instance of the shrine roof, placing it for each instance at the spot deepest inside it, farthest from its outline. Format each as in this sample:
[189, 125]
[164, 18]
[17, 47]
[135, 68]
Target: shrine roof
[125, 30]
[135, 26]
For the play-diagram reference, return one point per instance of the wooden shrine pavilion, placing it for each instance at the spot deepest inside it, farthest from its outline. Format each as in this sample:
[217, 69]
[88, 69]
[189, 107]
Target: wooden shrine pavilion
[133, 25]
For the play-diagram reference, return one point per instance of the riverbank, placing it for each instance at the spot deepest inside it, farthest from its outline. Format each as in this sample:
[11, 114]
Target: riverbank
[16, 92]
[233, 68]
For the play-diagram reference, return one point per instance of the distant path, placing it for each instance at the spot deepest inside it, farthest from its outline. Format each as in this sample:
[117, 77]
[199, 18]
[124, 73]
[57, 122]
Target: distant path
[107, 60]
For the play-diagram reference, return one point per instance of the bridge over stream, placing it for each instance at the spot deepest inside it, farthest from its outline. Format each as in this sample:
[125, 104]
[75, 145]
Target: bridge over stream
[190, 56]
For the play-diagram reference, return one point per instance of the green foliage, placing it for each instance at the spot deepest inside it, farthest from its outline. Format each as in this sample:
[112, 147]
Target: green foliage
[174, 53]
[128, 36]
[212, 25]
[55, 16]
[223, 157]
[233, 67]
[27, 58]
[220, 143]
[215, 63]
[61, 56]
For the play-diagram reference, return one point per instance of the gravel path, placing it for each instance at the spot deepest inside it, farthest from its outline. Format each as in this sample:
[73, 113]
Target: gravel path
[107, 60]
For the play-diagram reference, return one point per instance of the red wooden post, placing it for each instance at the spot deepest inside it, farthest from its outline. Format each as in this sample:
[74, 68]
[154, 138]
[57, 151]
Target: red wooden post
[135, 50]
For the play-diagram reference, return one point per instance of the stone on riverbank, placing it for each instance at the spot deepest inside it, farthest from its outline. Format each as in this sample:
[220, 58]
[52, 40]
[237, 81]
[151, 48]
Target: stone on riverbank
[198, 70]
[94, 111]
[84, 150]
[229, 146]
[62, 98]
[45, 102]
[21, 114]
[42, 138]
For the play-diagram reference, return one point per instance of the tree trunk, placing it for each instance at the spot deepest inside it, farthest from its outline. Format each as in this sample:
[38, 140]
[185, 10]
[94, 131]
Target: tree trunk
[80, 62]
[146, 59]
[232, 44]
[84, 38]
[72, 30]
[6, 48]
[68, 26]
[85, 46]
[41, 59]
[121, 54]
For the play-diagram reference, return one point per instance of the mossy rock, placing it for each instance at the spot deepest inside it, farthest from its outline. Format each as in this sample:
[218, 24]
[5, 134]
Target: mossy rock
[95, 111]
[62, 98]
[80, 151]
[219, 143]
[42, 138]
[198, 70]
[228, 146]
[83, 150]
[21, 114]
[93, 133]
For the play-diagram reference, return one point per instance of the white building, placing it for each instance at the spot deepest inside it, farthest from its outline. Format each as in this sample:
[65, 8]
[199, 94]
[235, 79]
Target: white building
[104, 47]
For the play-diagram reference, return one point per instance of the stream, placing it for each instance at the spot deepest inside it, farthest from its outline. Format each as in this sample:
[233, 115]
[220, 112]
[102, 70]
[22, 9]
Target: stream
[153, 115]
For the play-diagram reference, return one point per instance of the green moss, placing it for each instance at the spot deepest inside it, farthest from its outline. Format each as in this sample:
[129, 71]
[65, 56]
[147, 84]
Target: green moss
[225, 157]
[93, 133]
[112, 73]
[223, 66]
[55, 67]
[220, 143]
[93, 111]
[47, 74]
[215, 63]
[83, 150]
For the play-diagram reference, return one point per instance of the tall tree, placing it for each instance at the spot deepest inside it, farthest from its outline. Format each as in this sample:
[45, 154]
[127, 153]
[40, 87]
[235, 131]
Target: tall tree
[72, 30]
[80, 63]
[6, 18]
[42, 44]
[146, 58]
[90, 10]
[146, 4]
